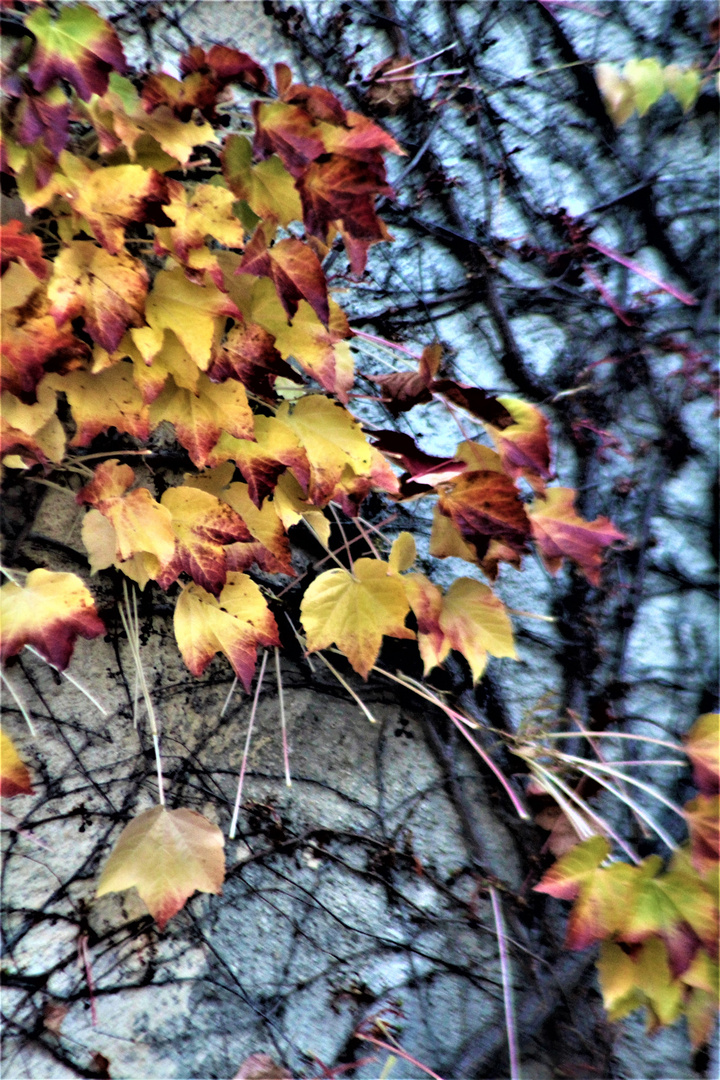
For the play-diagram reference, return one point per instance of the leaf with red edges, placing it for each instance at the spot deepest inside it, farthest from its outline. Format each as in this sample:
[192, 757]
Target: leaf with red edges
[225, 65]
[235, 624]
[426, 601]
[294, 269]
[140, 523]
[45, 118]
[103, 401]
[31, 348]
[523, 446]
[202, 525]
[200, 417]
[249, 354]
[49, 612]
[702, 746]
[207, 210]
[78, 46]
[275, 449]
[14, 773]
[15, 246]
[560, 532]
[485, 505]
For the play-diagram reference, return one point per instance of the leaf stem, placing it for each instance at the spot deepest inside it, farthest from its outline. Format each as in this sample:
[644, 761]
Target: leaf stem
[241, 778]
[506, 975]
[283, 727]
[19, 702]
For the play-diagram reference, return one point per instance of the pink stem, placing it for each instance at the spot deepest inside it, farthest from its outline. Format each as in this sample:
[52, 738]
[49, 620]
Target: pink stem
[507, 985]
[401, 1053]
[383, 341]
[241, 778]
[607, 297]
[683, 297]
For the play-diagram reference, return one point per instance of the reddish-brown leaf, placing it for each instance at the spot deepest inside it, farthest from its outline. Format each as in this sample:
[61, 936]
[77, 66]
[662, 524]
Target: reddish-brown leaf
[485, 505]
[14, 773]
[249, 354]
[560, 532]
[202, 525]
[15, 246]
[294, 269]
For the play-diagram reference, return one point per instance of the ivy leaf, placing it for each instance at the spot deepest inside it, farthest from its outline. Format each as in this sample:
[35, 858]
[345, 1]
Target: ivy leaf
[476, 401]
[107, 290]
[403, 553]
[424, 471]
[32, 347]
[140, 523]
[49, 612]
[79, 46]
[475, 623]
[646, 80]
[426, 601]
[684, 85]
[14, 773]
[207, 210]
[167, 855]
[267, 187]
[269, 546]
[261, 462]
[202, 524]
[560, 532]
[15, 246]
[703, 820]
[32, 431]
[402, 390]
[109, 198]
[99, 402]
[354, 611]
[523, 446]
[235, 624]
[702, 746]
[225, 65]
[249, 355]
[155, 355]
[195, 313]
[44, 118]
[485, 505]
[629, 981]
[292, 508]
[200, 417]
[294, 269]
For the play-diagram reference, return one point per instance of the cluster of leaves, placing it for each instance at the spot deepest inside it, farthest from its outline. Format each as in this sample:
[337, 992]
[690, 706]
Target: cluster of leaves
[172, 274]
[658, 927]
[642, 83]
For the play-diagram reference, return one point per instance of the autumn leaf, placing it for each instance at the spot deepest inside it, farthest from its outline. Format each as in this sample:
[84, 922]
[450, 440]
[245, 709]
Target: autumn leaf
[286, 130]
[249, 355]
[32, 431]
[402, 390]
[16, 246]
[269, 546]
[261, 1067]
[403, 553]
[79, 46]
[475, 623]
[49, 612]
[426, 601]
[202, 524]
[107, 290]
[424, 471]
[235, 624]
[99, 402]
[389, 97]
[292, 507]
[354, 611]
[484, 505]
[703, 820]
[224, 65]
[140, 523]
[267, 187]
[200, 417]
[32, 347]
[14, 773]
[206, 210]
[275, 448]
[155, 356]
[560, 532]
[523, 445]
[645, 978]
[702, 746]
[44, 119]
[167, 855]
[195, 313]
[294, 269]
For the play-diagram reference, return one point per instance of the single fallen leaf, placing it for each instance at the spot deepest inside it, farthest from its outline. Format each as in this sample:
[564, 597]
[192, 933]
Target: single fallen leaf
[702, 746]
[140, 523]
[100, 402]
[202, 525]
[523, 445]
[49, 612]
[475, 623]
[354, 611]
[235, 624]
[167, 855]
[14, 773]
[560, 532]
[294, 269]
[79, 46]
[195, 313]
[200, 417]
[107, 290]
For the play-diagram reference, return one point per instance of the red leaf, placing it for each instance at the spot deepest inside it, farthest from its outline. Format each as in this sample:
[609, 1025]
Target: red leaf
[15, 246]
[560, 532]
[485, 505]
[78, 46]
[294, 269]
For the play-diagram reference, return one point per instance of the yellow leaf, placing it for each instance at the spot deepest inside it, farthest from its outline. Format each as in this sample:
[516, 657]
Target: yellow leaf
[48, 612]
[167, 855]
[140, 523]
[476, 623]
[195, 313]
[267, 187]
[332, 438]
[647, 81]
[292, 508]
[99, 402]
[200, 418]
[207, 210]
[426, 601]
[403, 553]
[34, 427]
[100, 540]
[14, 775]
[683, 84]
[354, 611]
[617, 93]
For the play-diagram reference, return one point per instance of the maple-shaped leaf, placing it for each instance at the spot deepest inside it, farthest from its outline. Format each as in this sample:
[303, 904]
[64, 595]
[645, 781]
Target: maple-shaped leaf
[288, 131]
[703, 820]
[101, 544]
[225, 65]
[32, 347]
[560, 532]
[321, 351]
[523, 446]
[107, 199]
[234, 623]
[294, 269]
[141, 524]
[354, 611]
[195, 313]
[446, 540]
[155, 356]
[426, 601]
[16, 246]
[645, 978]
[402, 390]
[267, 187]
[32, 431]
[200, 417]
[485, 505]
[603, 895]
[49, 612]
[45, 118]
[292, 507]
[269, 546]
[358, 137]
[202, 524]
[702, 746]
[476, 624]
[78, 46]
[181, 97]
[249, 354]
[275, 448]
[167, 855]
[107, 290]
[14, 773]
[99, 402]
[207, 210]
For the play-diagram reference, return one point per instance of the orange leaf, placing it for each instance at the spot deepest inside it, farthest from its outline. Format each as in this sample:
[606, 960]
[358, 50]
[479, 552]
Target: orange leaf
[294, 269]
[523, 446]
[107, 290]
[15, 246]
[32, 347]
[485, 505]
[167, 855]
[475, 622]
[235, 624]
[354, 611]
[14, 774]
[200, 418]
[560, 532]
[202, 525]
[49, 612]
[141, 524]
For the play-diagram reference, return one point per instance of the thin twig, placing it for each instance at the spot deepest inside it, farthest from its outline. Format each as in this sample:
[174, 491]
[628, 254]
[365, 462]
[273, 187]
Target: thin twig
[283, 727]
[506, 975]
[241, 778]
